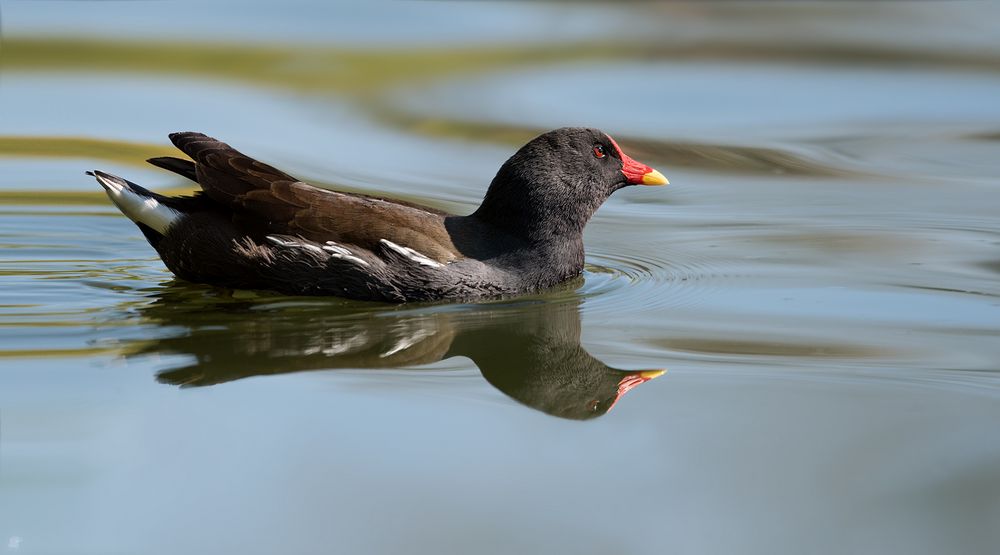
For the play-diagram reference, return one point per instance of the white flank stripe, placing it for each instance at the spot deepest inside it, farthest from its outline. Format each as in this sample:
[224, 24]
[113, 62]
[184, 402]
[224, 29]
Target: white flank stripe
[413, 255]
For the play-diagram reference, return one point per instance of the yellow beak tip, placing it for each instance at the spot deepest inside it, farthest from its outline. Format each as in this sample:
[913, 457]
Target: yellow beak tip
[650, 374]
[654, 178]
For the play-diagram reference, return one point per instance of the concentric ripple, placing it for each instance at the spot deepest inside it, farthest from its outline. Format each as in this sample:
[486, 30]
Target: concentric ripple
[648, 280]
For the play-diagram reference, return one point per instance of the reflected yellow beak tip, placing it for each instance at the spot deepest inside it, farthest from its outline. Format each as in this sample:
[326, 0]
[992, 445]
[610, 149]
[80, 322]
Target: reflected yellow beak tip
[654, 177]
[650, 374]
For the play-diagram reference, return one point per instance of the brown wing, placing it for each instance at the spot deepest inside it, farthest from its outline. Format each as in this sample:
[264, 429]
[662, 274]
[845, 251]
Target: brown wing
[282, 204]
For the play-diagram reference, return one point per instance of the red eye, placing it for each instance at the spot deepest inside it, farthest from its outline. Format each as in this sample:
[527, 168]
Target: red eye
[599, 151]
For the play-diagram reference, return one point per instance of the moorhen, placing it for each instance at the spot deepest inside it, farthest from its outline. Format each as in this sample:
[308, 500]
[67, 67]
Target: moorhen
[255, 227]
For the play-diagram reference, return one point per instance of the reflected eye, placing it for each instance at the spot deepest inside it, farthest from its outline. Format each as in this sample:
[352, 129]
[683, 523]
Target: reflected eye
[599, 151]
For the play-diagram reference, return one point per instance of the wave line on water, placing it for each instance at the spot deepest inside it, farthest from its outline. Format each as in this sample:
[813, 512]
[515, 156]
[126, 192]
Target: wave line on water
[630, 281]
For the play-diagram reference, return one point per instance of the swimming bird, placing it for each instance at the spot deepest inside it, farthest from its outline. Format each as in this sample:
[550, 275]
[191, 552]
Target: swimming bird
[255, 227]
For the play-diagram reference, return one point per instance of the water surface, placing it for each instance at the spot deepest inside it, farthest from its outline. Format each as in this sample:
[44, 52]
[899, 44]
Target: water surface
[792, 348]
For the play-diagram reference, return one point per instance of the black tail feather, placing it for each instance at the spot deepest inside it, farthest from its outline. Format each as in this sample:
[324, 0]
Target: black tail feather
[179, 166]
[154, 237]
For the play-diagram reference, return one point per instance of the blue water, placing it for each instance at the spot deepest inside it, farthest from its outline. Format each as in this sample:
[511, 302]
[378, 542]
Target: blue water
[818, 282]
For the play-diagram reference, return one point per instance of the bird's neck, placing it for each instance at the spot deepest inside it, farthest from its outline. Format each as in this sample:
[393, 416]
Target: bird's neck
[532, 213]
[563, 259]
[539, 257]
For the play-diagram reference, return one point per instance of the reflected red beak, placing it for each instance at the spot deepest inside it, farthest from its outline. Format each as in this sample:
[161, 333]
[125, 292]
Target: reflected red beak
[632, 380]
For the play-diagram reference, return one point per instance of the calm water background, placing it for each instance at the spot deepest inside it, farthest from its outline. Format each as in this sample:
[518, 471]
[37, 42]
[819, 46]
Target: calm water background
[820, 282]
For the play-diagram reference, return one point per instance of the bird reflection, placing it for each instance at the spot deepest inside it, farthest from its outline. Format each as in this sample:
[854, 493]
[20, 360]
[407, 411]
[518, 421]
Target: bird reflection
[529, 350]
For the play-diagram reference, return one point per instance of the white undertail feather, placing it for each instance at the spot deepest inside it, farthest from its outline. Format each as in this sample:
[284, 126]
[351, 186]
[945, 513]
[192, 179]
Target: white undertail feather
[137, 207]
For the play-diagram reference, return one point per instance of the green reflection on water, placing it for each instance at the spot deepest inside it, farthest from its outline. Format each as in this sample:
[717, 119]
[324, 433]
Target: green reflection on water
[362, 75]
[303, 69]
[123, 152]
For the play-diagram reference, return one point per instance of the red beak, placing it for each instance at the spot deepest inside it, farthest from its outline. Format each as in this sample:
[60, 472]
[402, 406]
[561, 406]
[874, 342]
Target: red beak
[638, 173]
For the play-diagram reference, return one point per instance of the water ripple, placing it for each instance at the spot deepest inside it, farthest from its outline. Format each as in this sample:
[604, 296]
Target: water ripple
[648, 280]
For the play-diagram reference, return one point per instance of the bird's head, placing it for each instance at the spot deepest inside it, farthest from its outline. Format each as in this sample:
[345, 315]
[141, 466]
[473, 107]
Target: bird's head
[555, 183]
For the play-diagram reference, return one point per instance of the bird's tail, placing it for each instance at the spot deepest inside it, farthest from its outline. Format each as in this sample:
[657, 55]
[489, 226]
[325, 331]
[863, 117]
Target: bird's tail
[142, 206]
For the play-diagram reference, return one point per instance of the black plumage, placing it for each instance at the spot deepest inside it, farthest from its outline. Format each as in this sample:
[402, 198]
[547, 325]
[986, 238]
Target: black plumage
[254, 226]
